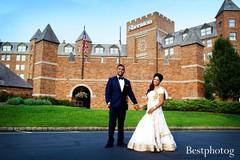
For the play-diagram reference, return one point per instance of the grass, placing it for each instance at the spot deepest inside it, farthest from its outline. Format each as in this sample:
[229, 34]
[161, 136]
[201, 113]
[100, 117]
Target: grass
[62, 116]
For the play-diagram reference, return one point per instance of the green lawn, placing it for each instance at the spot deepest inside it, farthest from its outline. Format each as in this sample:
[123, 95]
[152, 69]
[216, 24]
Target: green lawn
[62, 116]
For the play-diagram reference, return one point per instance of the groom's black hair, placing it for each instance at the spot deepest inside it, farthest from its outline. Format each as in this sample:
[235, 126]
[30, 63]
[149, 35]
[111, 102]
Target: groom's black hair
[121, 65]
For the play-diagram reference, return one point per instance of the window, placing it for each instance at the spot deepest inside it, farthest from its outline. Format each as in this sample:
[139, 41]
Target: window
[184, 35]
[8, 58]
[22, 48]
[7, 65]
[113, 50]
[30, 76]
[232, 22]
[22, 67]
[68, 49]
[22, 76]
[206, 31]
[18, 57]
[7, 48]
[171, 51]
[203, 42]
[17, 67]
[232, 36]
[220, 24]
[169, 40]
[30, 57]
[102, 60]
[166, 52]
[3, 57]
[209, 43]
[98, 50]
[30, 66]
[209, 55]
[23, 57]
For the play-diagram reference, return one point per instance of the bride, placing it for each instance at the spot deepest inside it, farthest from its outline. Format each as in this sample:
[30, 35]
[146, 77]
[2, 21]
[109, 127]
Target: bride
[152, 133]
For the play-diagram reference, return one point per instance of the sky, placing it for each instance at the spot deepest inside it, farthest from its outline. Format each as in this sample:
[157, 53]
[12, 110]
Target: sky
[20, 19]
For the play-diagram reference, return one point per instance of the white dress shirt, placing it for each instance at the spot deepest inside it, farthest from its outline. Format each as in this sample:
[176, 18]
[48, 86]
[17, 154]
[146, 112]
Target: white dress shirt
[121, 82]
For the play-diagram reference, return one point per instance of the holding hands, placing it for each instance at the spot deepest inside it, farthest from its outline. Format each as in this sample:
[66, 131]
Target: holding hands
[137, 107]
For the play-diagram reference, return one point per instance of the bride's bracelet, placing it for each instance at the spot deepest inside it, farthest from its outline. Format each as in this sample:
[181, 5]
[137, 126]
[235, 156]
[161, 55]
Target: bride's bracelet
[155, 107]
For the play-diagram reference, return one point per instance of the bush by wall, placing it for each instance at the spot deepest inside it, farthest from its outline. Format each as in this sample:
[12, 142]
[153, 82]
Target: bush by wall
[39, 101]
[202, 105]
[15, 101]
[31, 101]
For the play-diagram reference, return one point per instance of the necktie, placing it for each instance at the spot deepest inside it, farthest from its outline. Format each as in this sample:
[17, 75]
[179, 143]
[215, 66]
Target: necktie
[120, 77]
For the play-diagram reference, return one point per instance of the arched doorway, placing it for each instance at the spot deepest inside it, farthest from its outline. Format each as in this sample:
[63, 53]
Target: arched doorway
[82, 96]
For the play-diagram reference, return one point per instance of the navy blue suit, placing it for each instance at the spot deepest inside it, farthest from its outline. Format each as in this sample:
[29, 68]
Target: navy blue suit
[118, 105]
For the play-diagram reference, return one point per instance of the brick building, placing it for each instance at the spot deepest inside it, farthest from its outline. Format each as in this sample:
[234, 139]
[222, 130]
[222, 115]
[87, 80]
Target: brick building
[62, 69]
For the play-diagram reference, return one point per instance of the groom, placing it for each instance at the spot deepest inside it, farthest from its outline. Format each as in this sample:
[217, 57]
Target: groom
[118, 89]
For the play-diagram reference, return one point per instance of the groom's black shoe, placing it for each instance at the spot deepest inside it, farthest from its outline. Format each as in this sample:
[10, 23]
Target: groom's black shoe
[109, 145]
[122, 144]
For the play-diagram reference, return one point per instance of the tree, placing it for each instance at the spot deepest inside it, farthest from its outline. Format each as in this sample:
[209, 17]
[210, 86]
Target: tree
[223, 71]
[208, 89]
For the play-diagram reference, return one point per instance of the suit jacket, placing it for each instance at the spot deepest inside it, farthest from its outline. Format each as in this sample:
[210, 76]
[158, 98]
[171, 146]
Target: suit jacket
[115, 96]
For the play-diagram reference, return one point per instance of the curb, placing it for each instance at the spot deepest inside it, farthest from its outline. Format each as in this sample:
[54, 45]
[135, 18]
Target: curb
[16, 129]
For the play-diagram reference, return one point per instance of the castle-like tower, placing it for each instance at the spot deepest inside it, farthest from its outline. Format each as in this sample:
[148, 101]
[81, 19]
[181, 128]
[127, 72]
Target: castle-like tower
[61, 70]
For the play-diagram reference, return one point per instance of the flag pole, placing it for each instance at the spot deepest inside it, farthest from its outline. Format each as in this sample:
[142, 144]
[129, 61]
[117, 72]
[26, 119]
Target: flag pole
[156, 57]
[120, 46]
[157, 52]
[83, 45]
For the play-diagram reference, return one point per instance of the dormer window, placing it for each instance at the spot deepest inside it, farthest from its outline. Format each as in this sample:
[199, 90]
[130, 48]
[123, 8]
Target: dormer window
[22, 48]
[68, 49]
[206, 31]
[169, 40]
[113, 50]
[7, 48]
[185, 33]
[98, 50]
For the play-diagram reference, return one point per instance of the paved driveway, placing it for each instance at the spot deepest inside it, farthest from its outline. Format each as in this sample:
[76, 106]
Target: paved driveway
[89, 145]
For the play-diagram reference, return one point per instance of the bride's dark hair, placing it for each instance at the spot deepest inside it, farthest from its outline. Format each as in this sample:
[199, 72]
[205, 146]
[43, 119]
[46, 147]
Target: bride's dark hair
[151, 86]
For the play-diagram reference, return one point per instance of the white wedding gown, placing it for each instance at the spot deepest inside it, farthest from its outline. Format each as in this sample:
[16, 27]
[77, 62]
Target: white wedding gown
[152, 133]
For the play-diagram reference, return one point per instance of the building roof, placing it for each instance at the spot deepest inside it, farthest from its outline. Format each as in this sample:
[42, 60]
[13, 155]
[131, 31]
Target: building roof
[88, 39]
[14, 48]
[48, 35]
[36, 35]
[228, 5]
[192, 38]
[106, 50]
[10, 79]
[193, 35]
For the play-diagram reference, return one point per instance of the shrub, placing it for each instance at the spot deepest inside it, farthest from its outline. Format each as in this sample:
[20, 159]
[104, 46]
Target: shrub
[15, 101]
[56, 102]
[202, 105]
[64, 103]
[36, 102]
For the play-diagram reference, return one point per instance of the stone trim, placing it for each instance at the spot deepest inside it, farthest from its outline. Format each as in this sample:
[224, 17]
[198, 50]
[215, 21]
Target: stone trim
[39, 94]
[45, 62]
[193, 65]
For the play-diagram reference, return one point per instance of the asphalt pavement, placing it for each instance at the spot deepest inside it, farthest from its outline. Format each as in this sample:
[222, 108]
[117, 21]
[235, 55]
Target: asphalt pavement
[89, 145]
